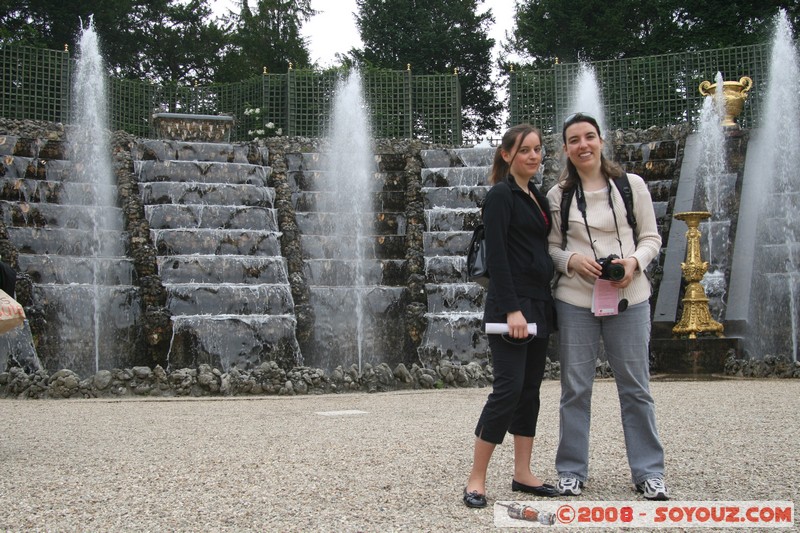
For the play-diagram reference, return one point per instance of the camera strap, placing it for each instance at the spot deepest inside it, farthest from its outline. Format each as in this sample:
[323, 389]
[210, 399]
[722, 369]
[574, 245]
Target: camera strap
[581, 201]
[623, 186]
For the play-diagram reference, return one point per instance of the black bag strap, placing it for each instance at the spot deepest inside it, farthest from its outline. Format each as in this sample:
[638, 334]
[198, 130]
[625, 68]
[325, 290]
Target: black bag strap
[8, 279]
[623, 186]
[566, 201]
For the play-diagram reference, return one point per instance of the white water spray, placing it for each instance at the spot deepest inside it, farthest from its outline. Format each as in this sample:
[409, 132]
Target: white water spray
[718, 186]
[712, 148]
[587, 97]
[780, 201]
[351, 166]
[92, 154]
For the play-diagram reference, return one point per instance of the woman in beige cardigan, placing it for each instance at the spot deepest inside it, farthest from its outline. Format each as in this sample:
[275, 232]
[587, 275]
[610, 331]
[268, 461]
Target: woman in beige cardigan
[602, 294]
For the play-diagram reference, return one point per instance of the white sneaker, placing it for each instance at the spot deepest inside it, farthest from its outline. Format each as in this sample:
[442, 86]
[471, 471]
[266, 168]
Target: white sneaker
[569, 486]
[653, 488]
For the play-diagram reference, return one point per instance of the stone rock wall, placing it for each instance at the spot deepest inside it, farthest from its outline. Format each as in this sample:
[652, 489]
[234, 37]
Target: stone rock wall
[634, 148]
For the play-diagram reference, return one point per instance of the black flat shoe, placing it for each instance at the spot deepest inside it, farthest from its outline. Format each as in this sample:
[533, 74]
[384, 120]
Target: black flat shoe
[546, 490]
[473, 499]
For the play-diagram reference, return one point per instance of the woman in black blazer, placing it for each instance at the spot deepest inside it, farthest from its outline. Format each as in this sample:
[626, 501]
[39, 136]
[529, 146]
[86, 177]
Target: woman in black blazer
[517, 221]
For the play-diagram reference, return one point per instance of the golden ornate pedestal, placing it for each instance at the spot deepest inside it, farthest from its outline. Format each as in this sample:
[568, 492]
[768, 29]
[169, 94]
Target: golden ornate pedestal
[735, 93]
[696, 317]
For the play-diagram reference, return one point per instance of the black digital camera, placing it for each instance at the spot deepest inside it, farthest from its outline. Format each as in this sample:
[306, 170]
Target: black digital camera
[609, 270]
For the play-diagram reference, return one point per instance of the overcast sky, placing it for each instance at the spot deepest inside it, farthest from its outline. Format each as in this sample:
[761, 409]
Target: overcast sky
[334, 31]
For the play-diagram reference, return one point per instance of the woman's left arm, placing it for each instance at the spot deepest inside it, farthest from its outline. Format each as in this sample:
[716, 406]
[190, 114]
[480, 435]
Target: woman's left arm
[648, 244]
[649, 240]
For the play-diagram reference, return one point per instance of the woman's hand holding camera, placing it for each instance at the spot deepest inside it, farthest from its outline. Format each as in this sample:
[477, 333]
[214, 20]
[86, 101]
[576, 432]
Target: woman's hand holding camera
[585, 266]
[630, 264]
[592, 270]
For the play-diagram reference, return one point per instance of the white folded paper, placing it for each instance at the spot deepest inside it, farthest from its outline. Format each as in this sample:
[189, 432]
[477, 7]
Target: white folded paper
[502, 327]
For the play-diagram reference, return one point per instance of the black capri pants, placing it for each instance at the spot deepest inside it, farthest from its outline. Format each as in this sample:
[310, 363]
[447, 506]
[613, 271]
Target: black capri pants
[513, 405]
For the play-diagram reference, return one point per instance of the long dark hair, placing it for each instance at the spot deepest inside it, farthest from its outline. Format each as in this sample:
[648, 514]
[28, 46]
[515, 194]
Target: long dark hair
[499, 166]
[569, 178]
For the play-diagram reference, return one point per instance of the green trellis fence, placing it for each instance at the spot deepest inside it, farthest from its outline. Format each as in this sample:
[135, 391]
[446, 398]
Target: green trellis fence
[35, 84]
[640, 92]
[637, 93]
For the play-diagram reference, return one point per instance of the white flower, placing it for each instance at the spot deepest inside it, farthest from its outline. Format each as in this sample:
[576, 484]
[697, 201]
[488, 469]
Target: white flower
[260, 132]
[278, 131]
[249, 132]
[270, 125]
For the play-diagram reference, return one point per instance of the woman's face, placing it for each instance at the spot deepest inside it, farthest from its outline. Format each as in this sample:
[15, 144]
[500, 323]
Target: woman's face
[528, 156]
[584, 146]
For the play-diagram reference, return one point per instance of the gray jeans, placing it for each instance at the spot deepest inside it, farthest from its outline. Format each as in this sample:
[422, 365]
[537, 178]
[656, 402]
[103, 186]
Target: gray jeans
[625, 338]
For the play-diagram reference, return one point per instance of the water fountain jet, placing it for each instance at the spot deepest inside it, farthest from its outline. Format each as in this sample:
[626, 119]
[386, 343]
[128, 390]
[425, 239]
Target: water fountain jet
[341, 307]
[92, 159]
[587, 97]
[765, 280]
[717, 186]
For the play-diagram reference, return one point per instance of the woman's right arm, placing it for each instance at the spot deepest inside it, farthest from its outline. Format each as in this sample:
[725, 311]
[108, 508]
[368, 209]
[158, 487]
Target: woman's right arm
[561, 258]
[497, 210]
[496, 218]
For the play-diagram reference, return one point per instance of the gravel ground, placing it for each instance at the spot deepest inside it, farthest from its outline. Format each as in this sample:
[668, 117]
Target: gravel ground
[277, 464]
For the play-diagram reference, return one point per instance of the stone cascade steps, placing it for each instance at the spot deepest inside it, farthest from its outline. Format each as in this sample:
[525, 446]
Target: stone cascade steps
[454, 185]
[777, 248]
[210, 241]
[229, 298]
[75, 255]
[329, 245]
[165, 192]
[214, 226]
[65, 270]
[45, 191]
[240, 269]
[42, 214]
[657, 162]
[195, 172]
[325, 201]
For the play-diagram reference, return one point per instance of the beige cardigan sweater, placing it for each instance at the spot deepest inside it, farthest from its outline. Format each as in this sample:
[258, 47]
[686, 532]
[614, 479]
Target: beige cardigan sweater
[576, 290]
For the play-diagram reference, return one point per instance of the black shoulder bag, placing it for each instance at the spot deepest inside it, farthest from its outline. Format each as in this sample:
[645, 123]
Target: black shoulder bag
[477, 268]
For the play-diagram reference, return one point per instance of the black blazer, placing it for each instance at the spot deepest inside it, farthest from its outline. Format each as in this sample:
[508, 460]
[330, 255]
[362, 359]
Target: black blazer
[519, 264]
[8, 279]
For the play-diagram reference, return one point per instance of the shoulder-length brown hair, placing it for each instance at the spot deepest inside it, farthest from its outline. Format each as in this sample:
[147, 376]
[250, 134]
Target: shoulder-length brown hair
[499, 166]
[569, 177]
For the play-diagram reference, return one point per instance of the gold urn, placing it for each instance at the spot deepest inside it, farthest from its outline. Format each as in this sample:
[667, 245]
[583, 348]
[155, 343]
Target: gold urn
[735, 93]
[696, 317]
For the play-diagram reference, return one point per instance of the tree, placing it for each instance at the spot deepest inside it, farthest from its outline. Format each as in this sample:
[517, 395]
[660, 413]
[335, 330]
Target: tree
[550, 30]
[594, 30]
[434, 37]
[158, 40]
[267, 37]
[717, 24]
[177, 43]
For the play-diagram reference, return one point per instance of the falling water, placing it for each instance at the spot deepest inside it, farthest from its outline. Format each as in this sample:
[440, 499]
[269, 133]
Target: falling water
[774, 307]
[92, 154]
[712, 148]
[718, 187]
[351, 167]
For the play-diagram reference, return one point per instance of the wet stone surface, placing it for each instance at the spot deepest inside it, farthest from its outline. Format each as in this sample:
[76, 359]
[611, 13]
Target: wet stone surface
[65, 270]
[206, 194]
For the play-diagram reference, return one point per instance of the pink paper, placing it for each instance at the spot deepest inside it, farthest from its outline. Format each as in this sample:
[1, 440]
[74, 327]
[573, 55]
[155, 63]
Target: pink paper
[605, 298]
